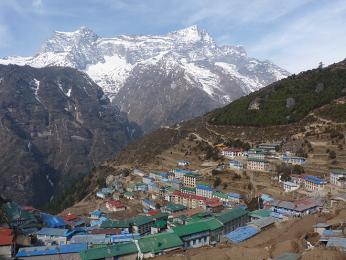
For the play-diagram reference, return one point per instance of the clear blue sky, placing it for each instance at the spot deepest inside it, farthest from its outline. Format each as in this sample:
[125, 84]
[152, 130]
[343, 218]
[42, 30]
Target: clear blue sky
[295, 34]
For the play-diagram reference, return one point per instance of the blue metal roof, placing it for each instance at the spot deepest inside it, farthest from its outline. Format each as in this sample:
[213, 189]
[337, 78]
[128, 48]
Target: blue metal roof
[204, 187]
[52, 221]
[266, 197]
[183, 171]
[234, 195]
[124, 237]
[96, 213]
[315, 179]
[241, 234]
[51, 250]
[337, 242]
[329, 232]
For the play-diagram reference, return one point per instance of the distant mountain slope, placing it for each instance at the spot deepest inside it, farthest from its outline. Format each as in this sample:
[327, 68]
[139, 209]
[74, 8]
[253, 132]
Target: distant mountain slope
[158, 80]
[317, 96]
[55, 126]
[286, 101]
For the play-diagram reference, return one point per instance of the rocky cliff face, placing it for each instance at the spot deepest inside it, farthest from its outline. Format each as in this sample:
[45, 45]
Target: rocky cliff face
[56, 124]
[161, 79]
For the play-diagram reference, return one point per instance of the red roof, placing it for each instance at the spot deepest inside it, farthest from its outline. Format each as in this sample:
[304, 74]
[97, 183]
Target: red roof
[188, 196]
[153, 212]
[29, 208]
[213, 202]
[6, 236]
[188, 212]
[70, 217]
[115, 203]
[112, 231]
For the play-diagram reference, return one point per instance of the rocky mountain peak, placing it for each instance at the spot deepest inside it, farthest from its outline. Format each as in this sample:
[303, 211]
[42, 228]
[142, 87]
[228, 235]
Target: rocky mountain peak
[65, 41]
[135, 70]
[192, 34]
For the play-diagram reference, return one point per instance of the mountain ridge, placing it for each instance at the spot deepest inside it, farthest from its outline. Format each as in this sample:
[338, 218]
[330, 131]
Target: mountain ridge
[219, 74]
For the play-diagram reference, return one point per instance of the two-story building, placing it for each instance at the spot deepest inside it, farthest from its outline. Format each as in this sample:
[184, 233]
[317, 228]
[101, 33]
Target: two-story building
[233, 152]
[313, 183]
[338, 178]
[200, 233]
[141, 224]
[204, 191]
[115, 205]
[255, 164]
[294, 160]
[235, 164]
[188, 200]
[51, 236]
[289, 186]
[233, 218]
[298, 208]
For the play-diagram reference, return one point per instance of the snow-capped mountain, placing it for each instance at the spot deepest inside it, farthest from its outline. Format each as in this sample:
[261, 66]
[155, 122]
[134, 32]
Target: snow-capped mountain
[158, 79]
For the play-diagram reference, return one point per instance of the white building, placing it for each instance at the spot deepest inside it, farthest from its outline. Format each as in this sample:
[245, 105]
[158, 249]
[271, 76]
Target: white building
[204, 191]
[235, 164]
[338, 178]
[183, 163]
[231, 153]
[290, 186]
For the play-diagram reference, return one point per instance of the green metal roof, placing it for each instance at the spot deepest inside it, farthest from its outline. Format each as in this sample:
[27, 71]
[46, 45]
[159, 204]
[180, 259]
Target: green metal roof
[201, 215]
[109, 251]
[128, 194]
[231, 214]
[197, 227]
[159, 242]
[220, 194]
[141, 220]
[175, 207]
[161, 215]
[160, 223]
[263, 213]
[115, 224]
[14, 212]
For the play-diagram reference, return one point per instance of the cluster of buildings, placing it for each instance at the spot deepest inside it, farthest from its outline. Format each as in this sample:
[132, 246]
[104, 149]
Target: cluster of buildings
[257, 159]
[337, 179]
[179, 212]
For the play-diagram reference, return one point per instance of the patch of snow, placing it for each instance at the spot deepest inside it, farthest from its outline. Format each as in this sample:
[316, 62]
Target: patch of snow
[249, 85]
[111, 74]
[173, 85]
[208, 80]
[110, 61]
[66, 93]
[35, 85]
[50, 181]
[69, 92]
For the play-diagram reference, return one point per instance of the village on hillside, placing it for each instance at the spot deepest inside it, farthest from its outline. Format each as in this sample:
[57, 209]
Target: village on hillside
[147, 213]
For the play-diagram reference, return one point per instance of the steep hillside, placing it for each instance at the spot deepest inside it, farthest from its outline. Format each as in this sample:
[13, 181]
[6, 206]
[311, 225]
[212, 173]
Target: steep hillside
[158, 80]
[55, 126]
[286, 101]
[317, 133]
